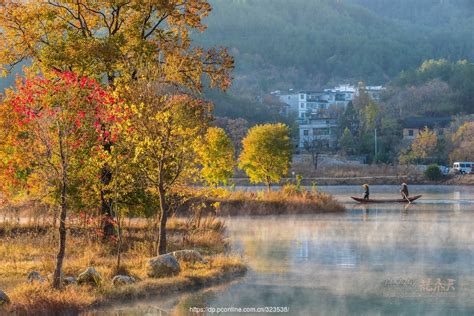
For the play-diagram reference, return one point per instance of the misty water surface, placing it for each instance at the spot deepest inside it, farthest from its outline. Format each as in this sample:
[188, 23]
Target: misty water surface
[370, 260]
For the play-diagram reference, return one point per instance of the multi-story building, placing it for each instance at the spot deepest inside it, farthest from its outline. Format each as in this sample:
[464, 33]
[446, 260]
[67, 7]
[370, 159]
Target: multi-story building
[311, 103]
[317, 123]
[318, 131]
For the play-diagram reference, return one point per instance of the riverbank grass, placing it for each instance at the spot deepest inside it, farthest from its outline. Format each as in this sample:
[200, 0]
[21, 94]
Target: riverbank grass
[289, 199]
[25, 249]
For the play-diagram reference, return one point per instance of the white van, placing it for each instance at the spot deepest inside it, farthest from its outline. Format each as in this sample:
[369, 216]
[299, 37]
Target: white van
[463, 167]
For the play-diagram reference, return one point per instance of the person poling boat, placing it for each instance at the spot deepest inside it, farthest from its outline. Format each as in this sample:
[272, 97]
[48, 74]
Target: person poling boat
[409, 200]
[404, 192]
[366, 191]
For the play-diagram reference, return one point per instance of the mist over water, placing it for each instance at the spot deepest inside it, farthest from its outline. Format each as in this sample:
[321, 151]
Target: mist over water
[371, 260]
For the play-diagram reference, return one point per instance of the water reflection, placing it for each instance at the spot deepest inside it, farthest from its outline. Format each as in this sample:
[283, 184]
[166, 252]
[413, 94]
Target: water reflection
[371, 260]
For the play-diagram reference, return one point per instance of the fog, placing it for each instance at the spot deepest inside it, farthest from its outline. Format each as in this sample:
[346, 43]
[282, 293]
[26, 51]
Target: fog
[367, 260]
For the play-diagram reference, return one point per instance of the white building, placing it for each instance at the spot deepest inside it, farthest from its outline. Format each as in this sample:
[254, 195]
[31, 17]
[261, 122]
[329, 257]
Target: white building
[318, 131]
[310, 103]
[290, 98]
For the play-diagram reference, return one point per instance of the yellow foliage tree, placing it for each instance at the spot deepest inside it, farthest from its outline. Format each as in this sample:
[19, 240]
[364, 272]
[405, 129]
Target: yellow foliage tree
[112, 39]
[160, 134]
[424, 145]
[216, 156]
[463, 142]
[266, 153]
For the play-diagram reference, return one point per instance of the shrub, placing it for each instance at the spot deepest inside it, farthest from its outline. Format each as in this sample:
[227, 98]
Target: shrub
[433, 172]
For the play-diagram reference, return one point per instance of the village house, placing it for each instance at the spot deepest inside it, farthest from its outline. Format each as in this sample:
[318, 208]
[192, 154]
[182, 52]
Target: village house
[413, 126]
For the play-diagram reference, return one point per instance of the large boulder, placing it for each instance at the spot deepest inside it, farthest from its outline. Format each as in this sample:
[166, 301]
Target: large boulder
[163, 266]
[188, 256]
[90, 276]
[35, 276]
[123, 280]
[4, 299]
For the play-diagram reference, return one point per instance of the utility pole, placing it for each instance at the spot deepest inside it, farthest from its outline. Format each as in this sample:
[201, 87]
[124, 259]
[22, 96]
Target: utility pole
[375, 136]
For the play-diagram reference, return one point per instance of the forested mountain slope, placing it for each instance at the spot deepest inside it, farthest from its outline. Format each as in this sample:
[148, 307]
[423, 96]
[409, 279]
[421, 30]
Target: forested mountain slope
[300, 43]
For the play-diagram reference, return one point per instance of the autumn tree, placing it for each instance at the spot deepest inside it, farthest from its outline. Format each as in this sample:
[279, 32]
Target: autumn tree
[463, 143]
[56, 128]
[216, 156]
[235, 128]
[266, 153]
[113, 40]
[163, 126]
[422, 148]
[425, 143]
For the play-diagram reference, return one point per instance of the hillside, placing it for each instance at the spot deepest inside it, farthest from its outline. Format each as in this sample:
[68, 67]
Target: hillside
[299, 43]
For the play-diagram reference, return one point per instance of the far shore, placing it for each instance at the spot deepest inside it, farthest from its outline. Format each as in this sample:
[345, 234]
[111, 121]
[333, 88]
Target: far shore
[467, 179]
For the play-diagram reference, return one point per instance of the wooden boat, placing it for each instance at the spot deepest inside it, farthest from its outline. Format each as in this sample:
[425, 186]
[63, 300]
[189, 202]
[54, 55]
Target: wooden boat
[411, 198]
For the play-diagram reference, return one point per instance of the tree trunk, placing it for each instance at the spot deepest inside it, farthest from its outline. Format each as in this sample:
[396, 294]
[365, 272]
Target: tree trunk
[315, 160]
[62, 219]
[268, 184]
[106, 203]
[163, 221]
[119, 244]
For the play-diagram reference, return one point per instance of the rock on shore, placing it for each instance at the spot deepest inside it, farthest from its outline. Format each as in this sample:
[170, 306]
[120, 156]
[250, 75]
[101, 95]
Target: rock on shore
[163, 266]
[89, 276]
[188, 256]
[123, 280]
[4, 299]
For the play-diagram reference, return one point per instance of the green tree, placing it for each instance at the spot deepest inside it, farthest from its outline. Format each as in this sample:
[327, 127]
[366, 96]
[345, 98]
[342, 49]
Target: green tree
[216, 156]
[266, 153]
[346, 142]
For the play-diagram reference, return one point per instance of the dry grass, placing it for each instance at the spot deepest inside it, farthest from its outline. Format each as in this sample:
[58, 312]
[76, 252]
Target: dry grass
[218, 269]
[290, 199]
[25, 249]
[41, 299]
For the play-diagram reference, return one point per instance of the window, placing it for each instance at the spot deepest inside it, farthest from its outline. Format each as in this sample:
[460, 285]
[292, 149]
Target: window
[306, 132]
[289, 98]
[302, 96]
[321, 131]
[410, 132]
[302, 105]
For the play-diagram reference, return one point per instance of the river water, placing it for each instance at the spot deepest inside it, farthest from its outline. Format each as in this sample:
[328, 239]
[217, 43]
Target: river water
[370, 260]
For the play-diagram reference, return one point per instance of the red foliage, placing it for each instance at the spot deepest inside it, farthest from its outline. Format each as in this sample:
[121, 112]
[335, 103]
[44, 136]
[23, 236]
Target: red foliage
[69, 99]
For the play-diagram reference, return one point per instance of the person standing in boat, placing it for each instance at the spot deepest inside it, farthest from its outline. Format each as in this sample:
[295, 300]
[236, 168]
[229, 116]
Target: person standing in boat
[366, 191]
[404, 191]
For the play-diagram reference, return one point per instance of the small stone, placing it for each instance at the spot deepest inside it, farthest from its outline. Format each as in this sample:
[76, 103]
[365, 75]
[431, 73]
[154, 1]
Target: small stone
[122, 280]
[163, 266]
[4, 299]
[188, 256]
[69, 280]
[89, 276]
[35, 276]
